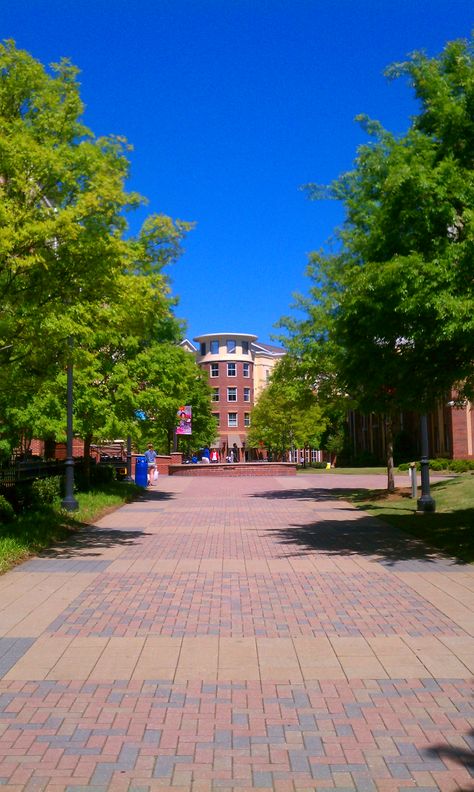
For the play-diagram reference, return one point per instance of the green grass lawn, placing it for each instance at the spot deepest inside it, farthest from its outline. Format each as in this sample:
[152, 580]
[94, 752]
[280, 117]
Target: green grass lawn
[450, 528]
[34, 530]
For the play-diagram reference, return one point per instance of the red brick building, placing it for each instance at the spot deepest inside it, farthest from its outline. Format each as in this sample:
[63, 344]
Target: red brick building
[462, 431]
[450, 430]
[238, 367]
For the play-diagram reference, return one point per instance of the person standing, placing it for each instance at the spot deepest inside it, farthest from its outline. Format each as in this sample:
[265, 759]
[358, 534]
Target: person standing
[150, 456]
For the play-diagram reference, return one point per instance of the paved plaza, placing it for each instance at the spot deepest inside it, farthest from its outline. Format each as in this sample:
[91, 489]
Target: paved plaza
[236, 634]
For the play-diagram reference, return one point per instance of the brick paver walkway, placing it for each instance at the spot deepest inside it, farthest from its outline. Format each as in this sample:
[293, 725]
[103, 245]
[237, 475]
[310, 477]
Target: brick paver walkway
[237, 634]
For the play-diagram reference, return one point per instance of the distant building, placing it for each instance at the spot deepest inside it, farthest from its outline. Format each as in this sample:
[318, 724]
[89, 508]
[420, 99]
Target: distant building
[450, 430]
[238, 367]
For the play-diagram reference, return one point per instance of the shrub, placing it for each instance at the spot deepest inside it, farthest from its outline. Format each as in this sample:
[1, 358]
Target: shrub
[7, 512]
[102, 474]
[452, 465]
[318, 465]
[46, 490]
[460, 465]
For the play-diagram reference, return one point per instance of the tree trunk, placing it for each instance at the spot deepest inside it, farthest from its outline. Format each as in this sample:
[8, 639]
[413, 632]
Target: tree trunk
[389, 450]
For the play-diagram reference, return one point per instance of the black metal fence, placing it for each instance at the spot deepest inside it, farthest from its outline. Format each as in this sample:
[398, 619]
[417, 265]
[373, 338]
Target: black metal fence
[21, 472]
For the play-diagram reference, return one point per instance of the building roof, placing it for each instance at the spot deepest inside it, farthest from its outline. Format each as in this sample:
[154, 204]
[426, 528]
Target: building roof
[247, 336]
[257, 346]
[269, 348]
[187, 344]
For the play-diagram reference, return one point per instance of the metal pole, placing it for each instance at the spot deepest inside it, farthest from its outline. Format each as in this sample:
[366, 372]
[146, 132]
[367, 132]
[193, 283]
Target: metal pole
[412, 472]
[129, 459]
[426, 503]
[69, 502]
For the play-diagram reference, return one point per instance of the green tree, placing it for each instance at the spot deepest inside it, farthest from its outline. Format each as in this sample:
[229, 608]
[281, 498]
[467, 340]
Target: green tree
[67, 267]
[390, 320]
[169, 377]
[287, 414]
[61, 219]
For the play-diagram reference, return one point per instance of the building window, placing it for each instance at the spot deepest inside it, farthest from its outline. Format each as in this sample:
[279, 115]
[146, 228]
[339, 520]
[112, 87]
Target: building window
[232, 419]
[215, 394]
[267, 374]
[246, 369]
[245, 347]
[246, 419]
[231, 346]
[217, 416]
[247, 394]
[214, 369]
[231, 371]
[214, 347]
[231, 394]
[203, 348]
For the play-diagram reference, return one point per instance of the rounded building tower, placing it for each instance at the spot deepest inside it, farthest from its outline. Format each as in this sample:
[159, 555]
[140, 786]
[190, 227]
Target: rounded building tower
[238, 367]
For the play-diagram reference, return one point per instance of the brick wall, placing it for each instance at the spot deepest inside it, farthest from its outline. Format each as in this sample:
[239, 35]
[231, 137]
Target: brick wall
[243, 469]
[223, 407]
[462, 423]
[162, 463]
[77, 449]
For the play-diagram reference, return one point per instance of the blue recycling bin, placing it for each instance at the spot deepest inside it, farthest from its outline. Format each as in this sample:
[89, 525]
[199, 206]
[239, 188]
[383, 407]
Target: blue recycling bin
[141, 471]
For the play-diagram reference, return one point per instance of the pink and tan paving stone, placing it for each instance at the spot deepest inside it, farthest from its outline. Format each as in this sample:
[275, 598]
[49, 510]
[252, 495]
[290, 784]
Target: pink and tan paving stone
[228, 635]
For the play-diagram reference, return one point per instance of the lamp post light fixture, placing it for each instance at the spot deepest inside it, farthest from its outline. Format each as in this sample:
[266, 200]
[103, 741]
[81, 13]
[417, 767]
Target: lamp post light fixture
[426, 503]
[69, 502]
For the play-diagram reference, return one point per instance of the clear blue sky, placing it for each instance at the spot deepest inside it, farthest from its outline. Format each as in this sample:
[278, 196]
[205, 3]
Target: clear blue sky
[232, 105]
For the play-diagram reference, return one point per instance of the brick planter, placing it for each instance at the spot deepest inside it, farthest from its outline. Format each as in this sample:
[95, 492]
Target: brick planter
[235, 469]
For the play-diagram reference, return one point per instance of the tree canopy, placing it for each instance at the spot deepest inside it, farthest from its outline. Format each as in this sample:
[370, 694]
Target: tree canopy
[69, 268]
[389, 320]
[287, 414]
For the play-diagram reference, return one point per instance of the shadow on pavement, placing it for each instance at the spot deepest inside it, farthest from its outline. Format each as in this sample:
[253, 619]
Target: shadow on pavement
[363, 536]
[90, 541]
[153, 495]
[87, 540]
[366, 535]
[314, 494]
[453, 753]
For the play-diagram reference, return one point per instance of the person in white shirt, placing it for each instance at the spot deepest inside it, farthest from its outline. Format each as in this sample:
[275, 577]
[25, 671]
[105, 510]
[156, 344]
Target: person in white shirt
[150, 456]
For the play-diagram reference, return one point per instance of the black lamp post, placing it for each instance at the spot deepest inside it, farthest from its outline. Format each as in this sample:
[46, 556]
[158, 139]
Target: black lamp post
[69, 502]
[128, 477]
[426, 503]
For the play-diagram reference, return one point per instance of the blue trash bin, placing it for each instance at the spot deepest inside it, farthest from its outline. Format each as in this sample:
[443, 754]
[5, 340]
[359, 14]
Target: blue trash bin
[141, 471]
